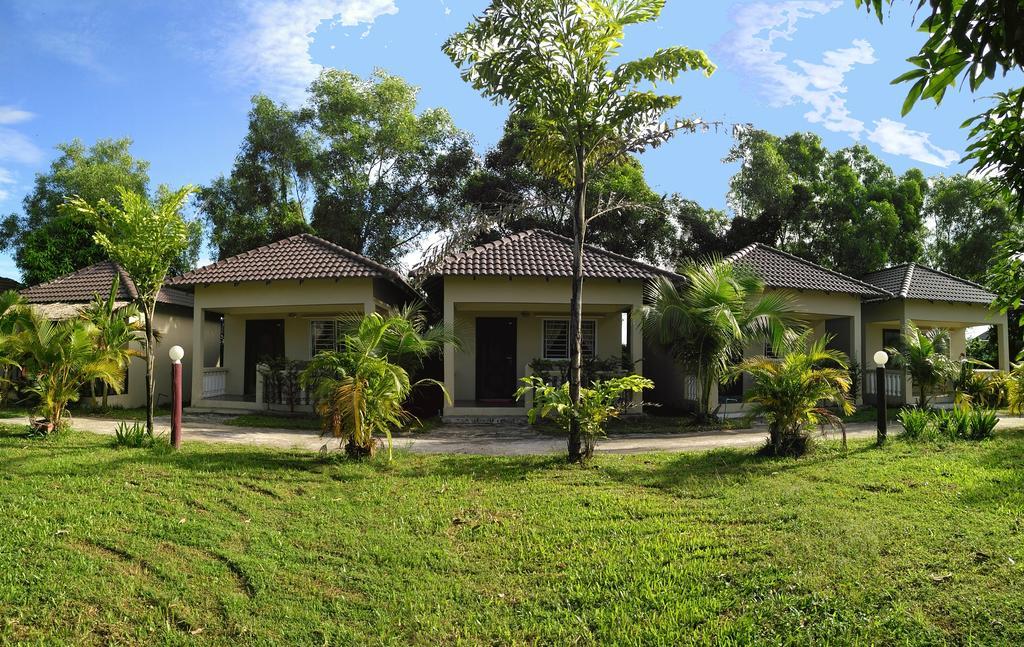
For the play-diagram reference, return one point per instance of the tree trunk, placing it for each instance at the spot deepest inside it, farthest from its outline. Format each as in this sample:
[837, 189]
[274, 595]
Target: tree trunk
[148, 312]
[106, 391]
[579, 229]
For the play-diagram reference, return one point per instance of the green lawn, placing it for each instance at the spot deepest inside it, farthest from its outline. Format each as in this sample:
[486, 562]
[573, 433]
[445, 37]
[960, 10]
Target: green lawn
[912, 544]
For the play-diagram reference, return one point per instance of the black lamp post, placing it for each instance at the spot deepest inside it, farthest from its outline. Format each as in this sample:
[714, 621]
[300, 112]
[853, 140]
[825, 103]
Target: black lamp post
[881, 358]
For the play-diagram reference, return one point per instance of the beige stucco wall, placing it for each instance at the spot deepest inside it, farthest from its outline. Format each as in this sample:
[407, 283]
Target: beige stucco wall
[175, 328]
[530, 301]
[295, 302]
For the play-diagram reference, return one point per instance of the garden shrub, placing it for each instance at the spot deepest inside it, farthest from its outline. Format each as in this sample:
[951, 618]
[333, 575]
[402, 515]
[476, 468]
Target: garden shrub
[959, 423]
[134, 435]
[916, 422]
[982, 424]
[953, 423]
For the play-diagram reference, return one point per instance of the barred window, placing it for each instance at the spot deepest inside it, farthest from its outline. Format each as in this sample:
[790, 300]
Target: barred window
[324, 335]
[556, 338]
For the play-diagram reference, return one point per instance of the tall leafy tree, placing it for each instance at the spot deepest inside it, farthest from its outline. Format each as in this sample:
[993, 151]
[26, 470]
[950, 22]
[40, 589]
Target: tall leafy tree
[267, 194]
[968, 214]
[357, 165]
[143, 237]
[47, 242]
[551, 61]
[510, 187]
[844, 209]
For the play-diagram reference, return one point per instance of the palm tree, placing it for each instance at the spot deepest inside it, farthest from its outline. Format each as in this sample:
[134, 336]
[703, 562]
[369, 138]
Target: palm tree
[10, 305]
[117, 329]
[361, 389]
[59, 358]
[923, 354]
[712, 317]
[791, 392]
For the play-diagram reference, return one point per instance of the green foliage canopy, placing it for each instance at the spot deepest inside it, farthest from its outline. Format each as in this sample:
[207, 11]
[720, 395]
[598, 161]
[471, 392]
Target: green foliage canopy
[48, 242]
[356, 165]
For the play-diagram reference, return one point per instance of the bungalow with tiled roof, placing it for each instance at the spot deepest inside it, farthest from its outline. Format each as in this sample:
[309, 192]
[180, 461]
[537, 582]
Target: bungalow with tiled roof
[826, 301]
[508, 302]
[66, 297]
[279, 301]
[931, 299]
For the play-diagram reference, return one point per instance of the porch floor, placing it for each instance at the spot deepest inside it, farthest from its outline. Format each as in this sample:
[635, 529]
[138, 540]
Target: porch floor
[231, 397]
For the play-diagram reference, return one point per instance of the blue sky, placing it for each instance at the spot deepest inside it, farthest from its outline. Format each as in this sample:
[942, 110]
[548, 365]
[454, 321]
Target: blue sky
[177, 78]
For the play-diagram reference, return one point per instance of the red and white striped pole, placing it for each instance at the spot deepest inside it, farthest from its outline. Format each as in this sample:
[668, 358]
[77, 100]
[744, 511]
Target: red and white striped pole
[176, 353]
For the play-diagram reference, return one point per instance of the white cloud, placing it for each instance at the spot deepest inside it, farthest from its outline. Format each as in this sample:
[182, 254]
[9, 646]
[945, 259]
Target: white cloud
[5, 178]
[16, 147]
[750, 47]
[12, 115]
[271, 46]
[895, 138]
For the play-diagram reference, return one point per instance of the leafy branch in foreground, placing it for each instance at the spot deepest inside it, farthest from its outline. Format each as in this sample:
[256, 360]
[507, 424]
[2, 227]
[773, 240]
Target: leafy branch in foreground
[597, 404]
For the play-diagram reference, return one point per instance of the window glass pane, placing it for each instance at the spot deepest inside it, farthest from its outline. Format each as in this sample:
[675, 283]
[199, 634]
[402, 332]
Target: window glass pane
[589, 341]
[324, 335]
[556, 338]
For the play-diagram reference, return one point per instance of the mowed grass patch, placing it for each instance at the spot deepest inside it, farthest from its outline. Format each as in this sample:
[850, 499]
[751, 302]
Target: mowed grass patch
[914, 544]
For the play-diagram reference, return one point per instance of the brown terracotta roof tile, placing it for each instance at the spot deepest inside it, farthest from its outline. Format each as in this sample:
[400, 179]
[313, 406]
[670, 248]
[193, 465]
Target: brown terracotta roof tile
[299, 257]
[913, 281]
[779, 269]
[84, 285]
[541, 253]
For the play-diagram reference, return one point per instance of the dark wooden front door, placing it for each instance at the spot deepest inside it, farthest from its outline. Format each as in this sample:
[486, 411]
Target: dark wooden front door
[495, 359]
[264, 338]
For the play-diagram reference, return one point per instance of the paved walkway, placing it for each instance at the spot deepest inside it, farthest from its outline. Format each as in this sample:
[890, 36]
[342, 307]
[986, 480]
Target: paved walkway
[486, 440]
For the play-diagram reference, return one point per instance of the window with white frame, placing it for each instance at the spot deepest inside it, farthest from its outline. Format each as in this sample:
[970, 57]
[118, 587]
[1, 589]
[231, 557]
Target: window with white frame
[323, 335]
[556, 338]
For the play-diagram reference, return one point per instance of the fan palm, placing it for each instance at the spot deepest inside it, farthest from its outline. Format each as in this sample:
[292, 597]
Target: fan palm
[792, 392]
[923, 353]
[117, 329]
[361, 390]
[718, 311]
[59, 358]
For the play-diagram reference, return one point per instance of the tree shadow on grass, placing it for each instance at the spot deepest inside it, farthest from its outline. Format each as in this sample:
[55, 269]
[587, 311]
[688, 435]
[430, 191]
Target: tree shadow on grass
[476, 467]
[734, 465]
[1006, 456]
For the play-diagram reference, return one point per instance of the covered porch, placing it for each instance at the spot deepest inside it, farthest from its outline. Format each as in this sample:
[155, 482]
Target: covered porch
[885, 330]
[501, 342]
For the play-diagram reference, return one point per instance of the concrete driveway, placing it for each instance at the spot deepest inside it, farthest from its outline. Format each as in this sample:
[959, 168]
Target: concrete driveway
[468, 439]
[488, 440]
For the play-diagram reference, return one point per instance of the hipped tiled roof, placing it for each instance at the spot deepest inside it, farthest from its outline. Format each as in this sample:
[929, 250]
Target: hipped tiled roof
[299, 257]
[913, 281]
[541, 253]
[779, 269]
[9, 284]
[83, 285]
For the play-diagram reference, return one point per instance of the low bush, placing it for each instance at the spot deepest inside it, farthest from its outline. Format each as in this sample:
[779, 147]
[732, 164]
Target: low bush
[916, 422]
[953, 423]
[134, 435]
[982, 424]
[960, 423]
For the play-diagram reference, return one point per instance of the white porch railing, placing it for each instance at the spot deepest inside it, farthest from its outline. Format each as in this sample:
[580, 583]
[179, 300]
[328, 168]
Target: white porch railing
[893, 384]
[215, 381]
[691, 388]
